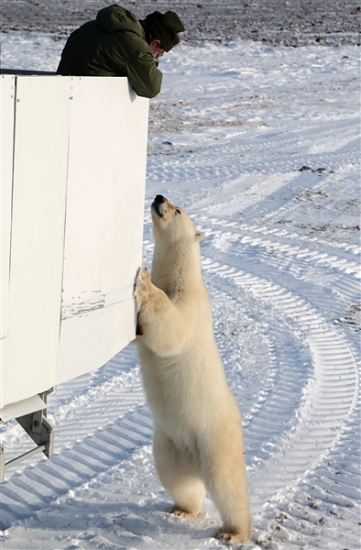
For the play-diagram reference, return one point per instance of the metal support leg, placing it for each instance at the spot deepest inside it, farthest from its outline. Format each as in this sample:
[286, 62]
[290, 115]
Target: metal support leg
[38, 427]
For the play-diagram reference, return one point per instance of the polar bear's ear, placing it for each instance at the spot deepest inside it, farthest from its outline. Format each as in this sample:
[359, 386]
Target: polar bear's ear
[200, 235]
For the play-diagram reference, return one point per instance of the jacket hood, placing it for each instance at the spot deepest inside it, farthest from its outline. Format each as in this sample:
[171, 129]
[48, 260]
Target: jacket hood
[115, 18]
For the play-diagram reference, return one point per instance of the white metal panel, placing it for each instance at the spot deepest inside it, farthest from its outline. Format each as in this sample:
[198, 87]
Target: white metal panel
[75, 227]
[89, 340]
[104, 222]
[39, 193]
[20, 408]
[7, 98]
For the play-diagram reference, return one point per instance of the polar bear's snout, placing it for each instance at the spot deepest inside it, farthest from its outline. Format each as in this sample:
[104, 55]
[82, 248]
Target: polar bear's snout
[161, 206]
[159, 199]
[158, 205]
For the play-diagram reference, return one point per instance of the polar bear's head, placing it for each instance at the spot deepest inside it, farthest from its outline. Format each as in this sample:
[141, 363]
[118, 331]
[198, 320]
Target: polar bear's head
[171, 223]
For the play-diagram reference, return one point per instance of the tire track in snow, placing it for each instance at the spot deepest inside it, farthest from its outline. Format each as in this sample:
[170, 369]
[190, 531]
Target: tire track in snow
[274, 251]
[264, 243]
[331, 393]
[223, 179]
[327, 500]
[86, 393]
[307, 254]
[39, 486]
[95, 428]
[280, 369]
[288, 236]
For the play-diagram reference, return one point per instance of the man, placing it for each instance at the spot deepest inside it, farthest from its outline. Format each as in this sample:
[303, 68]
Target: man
[117, 44]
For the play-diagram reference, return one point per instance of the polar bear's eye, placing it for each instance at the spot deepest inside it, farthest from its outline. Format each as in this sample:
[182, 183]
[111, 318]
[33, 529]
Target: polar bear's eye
[178, 211]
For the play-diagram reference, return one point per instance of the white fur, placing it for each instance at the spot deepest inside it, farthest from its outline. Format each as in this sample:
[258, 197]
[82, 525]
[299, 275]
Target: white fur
[198, 441]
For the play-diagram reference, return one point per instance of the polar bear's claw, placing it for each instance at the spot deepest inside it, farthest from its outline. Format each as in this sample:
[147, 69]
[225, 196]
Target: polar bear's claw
[230, 538]
[142, 273]
[142, 286]
[142, 279]
[182, 513]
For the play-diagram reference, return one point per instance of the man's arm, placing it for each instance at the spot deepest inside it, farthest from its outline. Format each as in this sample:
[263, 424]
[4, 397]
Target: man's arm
[143, 74]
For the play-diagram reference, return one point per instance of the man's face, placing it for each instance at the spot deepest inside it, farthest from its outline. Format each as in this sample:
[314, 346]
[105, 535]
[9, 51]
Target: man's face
[156, 47]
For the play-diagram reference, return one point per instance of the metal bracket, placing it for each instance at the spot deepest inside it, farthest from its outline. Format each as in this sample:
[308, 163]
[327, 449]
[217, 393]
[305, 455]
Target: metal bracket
[38, 427]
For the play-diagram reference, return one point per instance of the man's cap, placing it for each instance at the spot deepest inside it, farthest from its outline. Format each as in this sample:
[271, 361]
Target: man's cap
[165, 27]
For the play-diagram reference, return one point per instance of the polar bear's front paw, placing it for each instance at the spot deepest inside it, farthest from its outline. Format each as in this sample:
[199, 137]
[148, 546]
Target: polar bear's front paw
[142, 284]
[143, 278]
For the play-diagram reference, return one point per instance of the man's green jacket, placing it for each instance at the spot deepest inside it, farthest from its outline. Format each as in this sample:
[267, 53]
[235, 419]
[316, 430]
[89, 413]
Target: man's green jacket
[112, 45]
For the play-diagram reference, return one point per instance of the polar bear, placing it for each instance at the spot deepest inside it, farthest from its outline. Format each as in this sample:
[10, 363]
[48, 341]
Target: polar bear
[198, 440]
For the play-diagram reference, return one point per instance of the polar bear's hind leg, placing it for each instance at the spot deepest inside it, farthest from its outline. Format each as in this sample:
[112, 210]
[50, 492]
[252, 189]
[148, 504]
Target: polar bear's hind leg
[179, 476]
[225, 477]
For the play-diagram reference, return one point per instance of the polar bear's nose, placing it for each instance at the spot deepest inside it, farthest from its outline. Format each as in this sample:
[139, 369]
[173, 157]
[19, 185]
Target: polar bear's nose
[159, 199]
[159, 205]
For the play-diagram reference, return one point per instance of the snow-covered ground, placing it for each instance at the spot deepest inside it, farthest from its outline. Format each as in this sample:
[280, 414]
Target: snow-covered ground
[261, 146]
